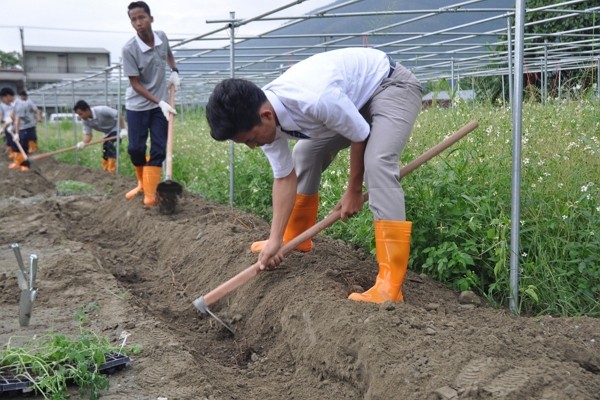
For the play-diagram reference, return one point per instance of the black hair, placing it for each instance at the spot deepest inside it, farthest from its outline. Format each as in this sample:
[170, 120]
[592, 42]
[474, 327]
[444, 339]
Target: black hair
[139, 4]
[233, 108]
[81, 105]
[6, 91]
[22, 93]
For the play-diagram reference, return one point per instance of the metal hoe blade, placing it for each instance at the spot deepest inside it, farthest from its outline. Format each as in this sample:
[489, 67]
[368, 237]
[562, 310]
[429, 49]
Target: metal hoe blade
[203, 308]
[26, 284]
[33, 266]
[25, 306]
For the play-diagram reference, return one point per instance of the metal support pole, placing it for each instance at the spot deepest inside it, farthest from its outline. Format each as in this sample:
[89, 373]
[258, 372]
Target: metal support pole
[516, 159]
[598, 80]
[458, 89]
[23, 59]
[503, 92]
[181, 105]
[45, 118]
[473, 89]
[57, 111]
[559, 84]
[510, 62]
[545, 76]
[451, 94]
[106, 88]
[119, 115]
[232, 26]
[74, 121]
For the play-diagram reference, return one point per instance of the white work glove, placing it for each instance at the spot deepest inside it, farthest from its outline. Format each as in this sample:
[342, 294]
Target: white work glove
[166, 109]
[8, 125]
[80, 145]
[15, 136]
[175, 80]
[123, 133]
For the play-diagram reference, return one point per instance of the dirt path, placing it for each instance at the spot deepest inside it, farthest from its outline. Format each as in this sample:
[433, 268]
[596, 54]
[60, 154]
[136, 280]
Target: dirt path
[297, 337]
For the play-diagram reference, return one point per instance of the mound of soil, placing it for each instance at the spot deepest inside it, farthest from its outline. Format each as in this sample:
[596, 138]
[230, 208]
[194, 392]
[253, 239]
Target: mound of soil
[297, 336]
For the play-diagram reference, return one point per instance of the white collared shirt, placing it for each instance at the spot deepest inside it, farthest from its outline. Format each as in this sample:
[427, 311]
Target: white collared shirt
[321, 97]
[143, 46]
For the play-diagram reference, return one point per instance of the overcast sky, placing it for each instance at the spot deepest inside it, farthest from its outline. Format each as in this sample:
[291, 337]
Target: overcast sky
[104, 23]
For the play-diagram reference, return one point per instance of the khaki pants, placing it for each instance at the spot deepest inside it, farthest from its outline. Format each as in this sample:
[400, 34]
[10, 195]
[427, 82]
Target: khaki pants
[391, 112]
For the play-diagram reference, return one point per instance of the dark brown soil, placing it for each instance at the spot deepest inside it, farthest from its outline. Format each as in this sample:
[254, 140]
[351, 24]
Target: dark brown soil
[297, 337]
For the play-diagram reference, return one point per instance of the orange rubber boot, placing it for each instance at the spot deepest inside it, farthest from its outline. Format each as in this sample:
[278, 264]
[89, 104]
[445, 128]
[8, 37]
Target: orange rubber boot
[111, 165]
[151, 179]
[11, 153]
[304, 216]
[392, 247]
[104, 164]
[139, 173]
[33, 147]
[17, 160]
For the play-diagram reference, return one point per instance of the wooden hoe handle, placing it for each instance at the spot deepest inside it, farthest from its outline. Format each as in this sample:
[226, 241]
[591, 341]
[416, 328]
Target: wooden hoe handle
[246, 275]
[25, 156]
[52, 153]
[169, 156]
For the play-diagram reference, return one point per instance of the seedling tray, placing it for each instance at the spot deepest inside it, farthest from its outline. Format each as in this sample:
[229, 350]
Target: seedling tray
[12, 385]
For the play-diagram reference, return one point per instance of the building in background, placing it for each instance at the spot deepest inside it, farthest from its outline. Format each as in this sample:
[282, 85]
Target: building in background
[13, 78]
[47, 64]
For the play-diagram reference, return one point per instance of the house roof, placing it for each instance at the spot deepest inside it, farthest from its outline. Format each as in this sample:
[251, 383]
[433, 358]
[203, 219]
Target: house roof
[58, 49]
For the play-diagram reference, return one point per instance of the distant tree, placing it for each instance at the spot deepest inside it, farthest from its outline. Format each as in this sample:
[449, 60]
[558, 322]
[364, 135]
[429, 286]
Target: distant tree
[10, 60]
[582, 20]
[490, 87]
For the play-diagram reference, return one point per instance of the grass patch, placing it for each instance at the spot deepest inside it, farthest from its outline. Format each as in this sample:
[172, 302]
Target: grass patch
[68, 187]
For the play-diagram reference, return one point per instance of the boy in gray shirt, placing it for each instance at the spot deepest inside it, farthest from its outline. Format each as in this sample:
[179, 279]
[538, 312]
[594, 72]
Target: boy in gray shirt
[20, 122]
[145, 57]
[33, 116]
[103, 119]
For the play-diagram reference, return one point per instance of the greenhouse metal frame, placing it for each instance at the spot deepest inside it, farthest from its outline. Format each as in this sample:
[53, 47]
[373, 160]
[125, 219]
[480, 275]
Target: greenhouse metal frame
[489, 40]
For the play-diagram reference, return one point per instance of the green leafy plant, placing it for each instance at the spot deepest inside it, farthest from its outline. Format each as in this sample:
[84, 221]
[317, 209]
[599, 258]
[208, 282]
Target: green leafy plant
[54, 361]
[82, 314]
[135, 349]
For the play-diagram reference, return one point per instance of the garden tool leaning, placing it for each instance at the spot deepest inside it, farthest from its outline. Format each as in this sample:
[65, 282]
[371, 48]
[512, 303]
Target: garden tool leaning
[168, 191]
[26, 283]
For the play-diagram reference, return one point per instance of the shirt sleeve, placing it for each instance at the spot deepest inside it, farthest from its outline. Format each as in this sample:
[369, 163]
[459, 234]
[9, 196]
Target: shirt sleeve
[280, 157]
[339, 114]
[129, 65]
